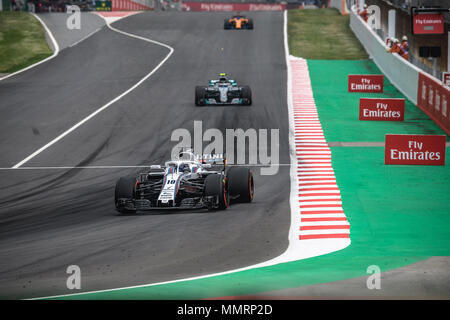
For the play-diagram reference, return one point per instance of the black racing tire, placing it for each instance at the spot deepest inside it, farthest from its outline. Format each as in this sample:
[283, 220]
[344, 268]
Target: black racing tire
[200, 96]
[240, 184]
[250, 24]
[226, 24]
[125, 188]
[216, 185]
[246, 96]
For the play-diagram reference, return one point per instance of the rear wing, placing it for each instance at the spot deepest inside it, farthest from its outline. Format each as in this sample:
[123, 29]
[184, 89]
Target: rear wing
[231, 81]
[214, 160]
[211, 159]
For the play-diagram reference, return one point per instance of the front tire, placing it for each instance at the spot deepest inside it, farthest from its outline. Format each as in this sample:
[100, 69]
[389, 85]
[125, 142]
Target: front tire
[246, 96]
[240, 184]
[200, 96]
[125, 188]
[216, 185]
[250, 24]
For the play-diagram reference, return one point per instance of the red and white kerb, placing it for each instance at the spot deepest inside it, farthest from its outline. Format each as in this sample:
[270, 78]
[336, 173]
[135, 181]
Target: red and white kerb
[321, 213]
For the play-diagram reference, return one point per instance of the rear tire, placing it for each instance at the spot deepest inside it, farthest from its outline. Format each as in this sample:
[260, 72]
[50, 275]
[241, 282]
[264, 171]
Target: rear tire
[215, 185]
[200, 95]
[250, 24]
[125, 187]
[246, 96]
[226, 24]
[240, 184]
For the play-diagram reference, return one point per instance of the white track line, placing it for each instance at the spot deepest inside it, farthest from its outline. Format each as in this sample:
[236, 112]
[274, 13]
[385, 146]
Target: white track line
[85, 37]
[75, 167]
[74, 127]
[55, 53]
[126, 167]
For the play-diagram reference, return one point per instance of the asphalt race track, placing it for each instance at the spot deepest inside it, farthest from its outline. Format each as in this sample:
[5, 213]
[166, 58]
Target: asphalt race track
[53, 218]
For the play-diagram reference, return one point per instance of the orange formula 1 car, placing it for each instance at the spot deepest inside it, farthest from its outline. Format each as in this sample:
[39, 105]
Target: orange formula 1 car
[238, 22]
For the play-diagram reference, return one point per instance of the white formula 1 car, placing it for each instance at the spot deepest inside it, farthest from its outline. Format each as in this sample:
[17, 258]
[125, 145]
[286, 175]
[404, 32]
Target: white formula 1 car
[185, 184]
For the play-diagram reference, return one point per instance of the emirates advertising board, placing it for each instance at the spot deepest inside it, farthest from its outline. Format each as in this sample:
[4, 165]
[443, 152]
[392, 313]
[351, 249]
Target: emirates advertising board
[370, 83]
[224, 6]
[430, 23]
[380, 109]
[407, 149]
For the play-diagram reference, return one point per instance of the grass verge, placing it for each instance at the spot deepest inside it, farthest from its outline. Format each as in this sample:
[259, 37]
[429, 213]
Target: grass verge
[22, 41]
[322, 34]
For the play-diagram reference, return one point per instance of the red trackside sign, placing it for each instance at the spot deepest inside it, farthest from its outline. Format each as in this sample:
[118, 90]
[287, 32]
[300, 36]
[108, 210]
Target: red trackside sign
[432, 23]
[365, 83]
[415, 149]
[381, 109]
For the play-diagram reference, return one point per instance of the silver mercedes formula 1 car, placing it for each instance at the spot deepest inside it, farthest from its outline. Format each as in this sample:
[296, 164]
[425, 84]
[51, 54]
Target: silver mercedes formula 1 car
[223, 91]
[185, 184]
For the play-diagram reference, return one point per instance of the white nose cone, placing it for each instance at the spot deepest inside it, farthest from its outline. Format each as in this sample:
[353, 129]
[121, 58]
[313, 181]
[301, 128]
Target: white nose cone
[223, 94]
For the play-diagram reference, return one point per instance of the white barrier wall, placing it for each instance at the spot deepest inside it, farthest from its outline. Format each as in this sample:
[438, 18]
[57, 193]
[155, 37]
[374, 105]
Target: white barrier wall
[403, 75]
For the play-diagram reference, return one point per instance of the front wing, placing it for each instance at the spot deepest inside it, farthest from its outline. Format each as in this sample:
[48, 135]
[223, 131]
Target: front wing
[188, 203]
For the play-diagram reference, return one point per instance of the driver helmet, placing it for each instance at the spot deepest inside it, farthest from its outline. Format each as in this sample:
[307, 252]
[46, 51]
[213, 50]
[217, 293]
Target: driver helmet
[223, 77]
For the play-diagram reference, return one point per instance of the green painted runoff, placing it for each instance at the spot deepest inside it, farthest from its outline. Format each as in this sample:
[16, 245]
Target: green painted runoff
[339, 109]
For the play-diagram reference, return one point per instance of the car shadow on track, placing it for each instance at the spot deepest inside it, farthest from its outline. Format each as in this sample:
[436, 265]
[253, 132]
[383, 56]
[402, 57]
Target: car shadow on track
[157, 212]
